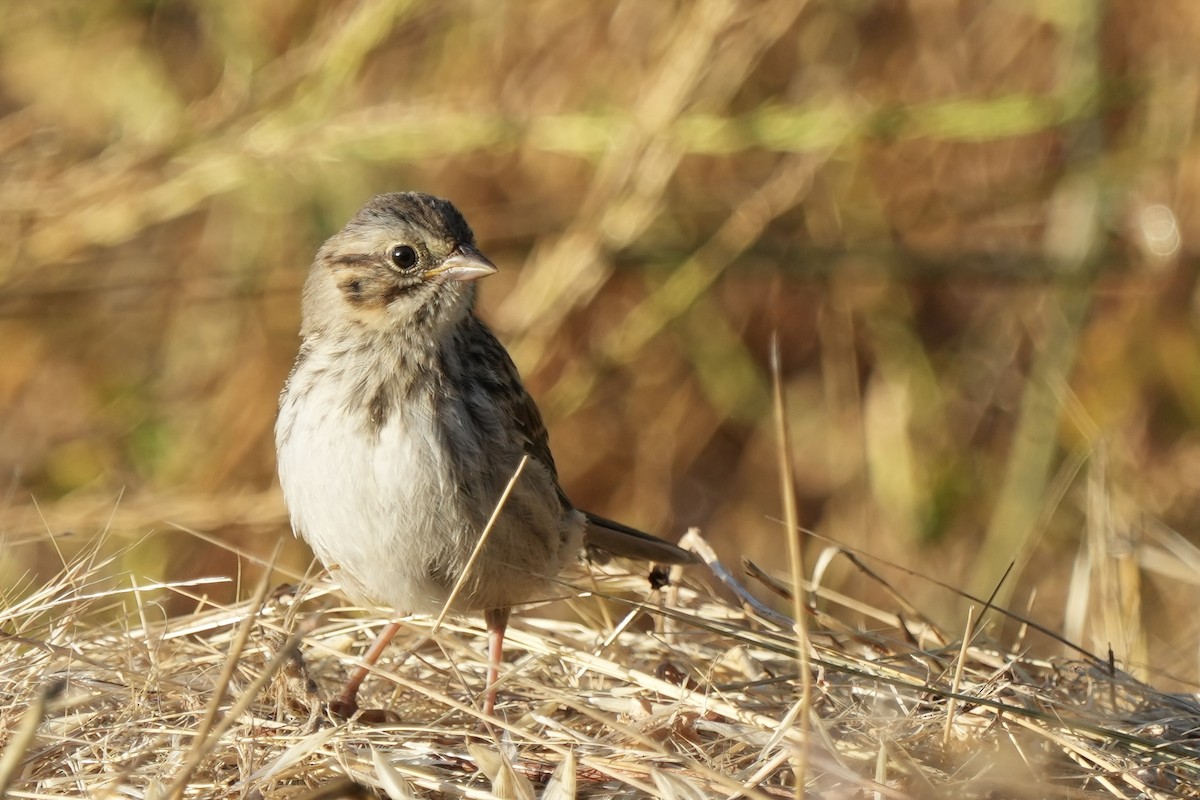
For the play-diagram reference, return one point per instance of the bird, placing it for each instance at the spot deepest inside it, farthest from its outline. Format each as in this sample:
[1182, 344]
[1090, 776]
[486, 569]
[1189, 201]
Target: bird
[401, 425]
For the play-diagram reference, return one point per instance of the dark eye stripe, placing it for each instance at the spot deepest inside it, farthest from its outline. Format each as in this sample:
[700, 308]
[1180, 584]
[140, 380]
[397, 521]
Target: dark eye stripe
[396, 291]
[352, 260]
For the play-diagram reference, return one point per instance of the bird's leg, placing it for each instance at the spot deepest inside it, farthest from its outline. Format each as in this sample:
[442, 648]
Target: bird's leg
[347, 702]
[496, 620]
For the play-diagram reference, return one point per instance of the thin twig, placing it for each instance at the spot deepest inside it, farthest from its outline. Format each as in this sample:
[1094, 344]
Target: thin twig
[694, 541]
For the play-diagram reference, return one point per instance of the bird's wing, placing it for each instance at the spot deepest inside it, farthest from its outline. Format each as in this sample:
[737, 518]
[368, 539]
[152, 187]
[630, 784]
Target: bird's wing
[508, 390]
[603, 537]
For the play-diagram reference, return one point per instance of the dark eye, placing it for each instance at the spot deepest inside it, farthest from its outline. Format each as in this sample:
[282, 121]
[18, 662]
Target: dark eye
[403, 256]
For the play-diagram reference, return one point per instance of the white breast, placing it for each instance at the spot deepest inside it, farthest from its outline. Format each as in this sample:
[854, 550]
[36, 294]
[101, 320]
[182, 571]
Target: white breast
[366, 504]
[380, 507]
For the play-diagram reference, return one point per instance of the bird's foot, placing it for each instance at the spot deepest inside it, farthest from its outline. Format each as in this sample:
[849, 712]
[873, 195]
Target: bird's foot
[347, 708]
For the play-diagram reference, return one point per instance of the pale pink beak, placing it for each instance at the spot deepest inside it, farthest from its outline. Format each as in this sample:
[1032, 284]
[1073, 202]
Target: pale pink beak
[467, 264]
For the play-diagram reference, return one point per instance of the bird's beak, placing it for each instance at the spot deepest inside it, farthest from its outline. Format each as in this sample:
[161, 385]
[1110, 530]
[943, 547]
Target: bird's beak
[465, 265]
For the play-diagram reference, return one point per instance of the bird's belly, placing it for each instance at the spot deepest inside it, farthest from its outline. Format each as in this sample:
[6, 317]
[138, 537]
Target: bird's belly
[385, 511]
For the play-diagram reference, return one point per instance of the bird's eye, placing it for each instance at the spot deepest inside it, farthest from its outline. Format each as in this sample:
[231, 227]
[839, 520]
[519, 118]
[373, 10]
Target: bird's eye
[403, 256]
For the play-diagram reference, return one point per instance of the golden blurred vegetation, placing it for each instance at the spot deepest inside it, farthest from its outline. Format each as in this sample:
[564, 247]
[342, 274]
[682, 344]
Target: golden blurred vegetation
[969, 224]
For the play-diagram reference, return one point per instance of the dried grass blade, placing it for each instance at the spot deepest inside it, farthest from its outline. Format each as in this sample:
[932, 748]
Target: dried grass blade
[393, 783]
[787, 480]
[506, 782]
[561, 785]
[483, 537]
[18, 745]
[201, 742]
[294, 754]
[952, 704]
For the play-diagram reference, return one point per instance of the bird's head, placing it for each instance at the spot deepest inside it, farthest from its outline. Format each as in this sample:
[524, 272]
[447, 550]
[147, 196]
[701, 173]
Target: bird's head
[406, 262]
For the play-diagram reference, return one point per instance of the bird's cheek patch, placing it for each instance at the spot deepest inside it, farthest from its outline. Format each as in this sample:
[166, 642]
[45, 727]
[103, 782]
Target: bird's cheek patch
[352, 290]
[362, 291]
[365, 296]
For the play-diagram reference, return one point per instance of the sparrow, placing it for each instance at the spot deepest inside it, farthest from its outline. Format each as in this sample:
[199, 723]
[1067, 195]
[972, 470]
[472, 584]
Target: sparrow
[403, 422]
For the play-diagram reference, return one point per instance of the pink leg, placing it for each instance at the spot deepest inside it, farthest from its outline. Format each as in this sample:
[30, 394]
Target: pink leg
[496, 620]
[347, 702]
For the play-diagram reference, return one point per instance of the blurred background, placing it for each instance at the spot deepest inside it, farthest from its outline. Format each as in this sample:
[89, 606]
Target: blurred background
[971, 225]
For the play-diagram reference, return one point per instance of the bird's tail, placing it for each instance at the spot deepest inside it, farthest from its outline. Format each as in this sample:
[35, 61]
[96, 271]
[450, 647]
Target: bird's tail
[606, 538]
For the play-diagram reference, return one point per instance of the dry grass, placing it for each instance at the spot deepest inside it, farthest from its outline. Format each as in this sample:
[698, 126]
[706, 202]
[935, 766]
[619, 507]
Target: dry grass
[675, 694]
[970, 225]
